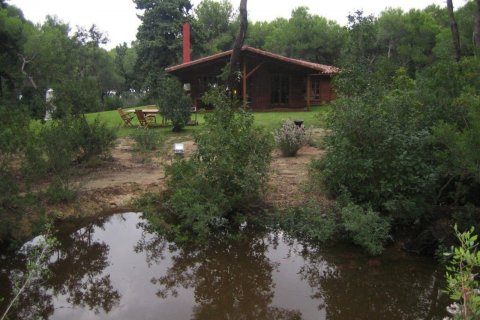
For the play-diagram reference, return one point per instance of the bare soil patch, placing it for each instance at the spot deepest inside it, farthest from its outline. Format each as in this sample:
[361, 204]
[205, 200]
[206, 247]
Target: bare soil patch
[113, 185]
[288, 176]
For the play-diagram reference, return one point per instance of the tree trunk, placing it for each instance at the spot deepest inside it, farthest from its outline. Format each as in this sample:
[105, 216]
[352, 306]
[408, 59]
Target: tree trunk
[237, 46]
[476, 29]
[454, 28]
[390, 48]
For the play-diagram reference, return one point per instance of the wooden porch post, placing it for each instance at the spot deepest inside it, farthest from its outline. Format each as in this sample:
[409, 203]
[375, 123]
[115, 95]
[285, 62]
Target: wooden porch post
[309, 89]
[244, 85]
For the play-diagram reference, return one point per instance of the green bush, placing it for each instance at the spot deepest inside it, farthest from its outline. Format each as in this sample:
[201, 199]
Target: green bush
[175, 104]
[222, 178]
[59, 192]
[112, 102]
[366, 228]
[456, 150]
[10, 206]
[73, 140]
[463, 285]
[15, 135]
[76, 97]
[92, 139]
[147, 140]
[309, 222]
[290, 138]
[379, 152]
[57, 146]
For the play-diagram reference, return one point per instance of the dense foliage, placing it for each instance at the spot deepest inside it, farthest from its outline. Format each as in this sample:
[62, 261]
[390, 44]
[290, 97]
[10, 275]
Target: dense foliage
[463, 286]
[147, 140]
[42, 152]
[175, 104]
[403, 135]
[159, 39]
[405, 147]
[224, 176]
[378, 153]
[347, 222]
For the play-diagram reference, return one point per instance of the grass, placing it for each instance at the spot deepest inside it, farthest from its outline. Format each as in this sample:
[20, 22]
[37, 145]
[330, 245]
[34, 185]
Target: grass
[269, 120]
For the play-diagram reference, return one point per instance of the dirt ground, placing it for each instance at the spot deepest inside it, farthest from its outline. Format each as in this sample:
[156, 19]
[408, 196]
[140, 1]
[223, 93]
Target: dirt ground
[111, 186]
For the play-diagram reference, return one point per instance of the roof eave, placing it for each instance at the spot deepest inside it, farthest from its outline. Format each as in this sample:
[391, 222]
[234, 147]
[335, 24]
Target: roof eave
[322, 69]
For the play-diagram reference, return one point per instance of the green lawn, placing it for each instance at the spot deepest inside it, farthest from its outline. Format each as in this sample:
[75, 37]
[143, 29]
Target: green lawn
[269, 120]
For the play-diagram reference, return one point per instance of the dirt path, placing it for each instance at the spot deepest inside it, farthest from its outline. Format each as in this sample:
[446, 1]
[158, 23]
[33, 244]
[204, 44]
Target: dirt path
[288, 174]
[113, 185]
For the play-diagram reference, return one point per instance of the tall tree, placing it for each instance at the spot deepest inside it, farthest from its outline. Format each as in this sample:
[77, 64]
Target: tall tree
[14, 31]
[406, 39]
[216, 25]
[454, 28]
[159, 38]
[362, 37]
[477, 27]
[237, 46]
[305, 36]
[125, 59]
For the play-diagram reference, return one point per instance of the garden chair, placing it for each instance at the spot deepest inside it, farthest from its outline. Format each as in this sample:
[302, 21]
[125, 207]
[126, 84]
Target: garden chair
[127, 118]
[145, 120]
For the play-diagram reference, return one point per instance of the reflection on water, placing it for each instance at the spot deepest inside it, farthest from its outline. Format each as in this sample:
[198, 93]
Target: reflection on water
[116, 268]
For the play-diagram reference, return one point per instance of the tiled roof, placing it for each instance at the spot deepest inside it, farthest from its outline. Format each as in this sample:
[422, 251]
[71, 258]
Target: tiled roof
[321, 68]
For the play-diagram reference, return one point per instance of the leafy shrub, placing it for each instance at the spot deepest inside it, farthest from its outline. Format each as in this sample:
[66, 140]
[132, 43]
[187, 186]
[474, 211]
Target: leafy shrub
[290, 138]
[366, 228]
[56, 143]
[92, 139]
[378, 152]
[463, 285]
[363, 227]
[75, 97]
[310, 223]
[147, 140]
[14, 132]
[224, 175]
[456, 152]
[10, 213]
[112, 102]
[73, 140]
[175, 104]
[59, 192]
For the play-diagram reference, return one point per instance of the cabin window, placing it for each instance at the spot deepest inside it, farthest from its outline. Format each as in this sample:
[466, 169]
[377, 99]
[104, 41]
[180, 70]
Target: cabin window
[280, 89]
[316, 89]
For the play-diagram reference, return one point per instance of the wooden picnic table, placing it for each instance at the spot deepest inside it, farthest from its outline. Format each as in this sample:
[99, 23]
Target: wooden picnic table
[153, 111]
[145, 110]
[150, 110]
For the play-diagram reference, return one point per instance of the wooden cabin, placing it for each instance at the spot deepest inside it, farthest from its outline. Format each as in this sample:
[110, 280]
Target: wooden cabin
[267, 82]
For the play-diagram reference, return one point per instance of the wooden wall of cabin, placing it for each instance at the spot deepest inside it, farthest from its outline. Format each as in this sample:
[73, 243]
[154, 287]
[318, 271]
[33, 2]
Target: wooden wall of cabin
[259, 86]
[325, 90]
[323, 85]
[297, 92]
[199, 80]
[259, 90]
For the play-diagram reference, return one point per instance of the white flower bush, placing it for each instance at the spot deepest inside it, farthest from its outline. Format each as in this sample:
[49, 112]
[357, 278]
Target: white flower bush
[290, 138]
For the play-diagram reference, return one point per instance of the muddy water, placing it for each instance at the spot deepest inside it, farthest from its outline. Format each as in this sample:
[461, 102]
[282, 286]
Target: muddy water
[114, 268]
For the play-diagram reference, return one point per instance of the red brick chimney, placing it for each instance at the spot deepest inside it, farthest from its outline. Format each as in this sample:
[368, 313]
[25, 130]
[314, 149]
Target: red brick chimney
[186, 42]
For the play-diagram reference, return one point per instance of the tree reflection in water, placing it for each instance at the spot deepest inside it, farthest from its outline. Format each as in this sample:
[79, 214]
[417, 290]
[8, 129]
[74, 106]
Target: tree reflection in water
[75, 272]
[353, 286]
[231, 276]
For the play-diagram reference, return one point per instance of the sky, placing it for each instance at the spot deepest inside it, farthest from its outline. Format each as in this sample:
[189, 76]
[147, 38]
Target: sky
[118, 18]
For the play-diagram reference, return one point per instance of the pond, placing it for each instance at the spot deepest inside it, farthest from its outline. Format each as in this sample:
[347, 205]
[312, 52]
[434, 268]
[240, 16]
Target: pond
[115, 268]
